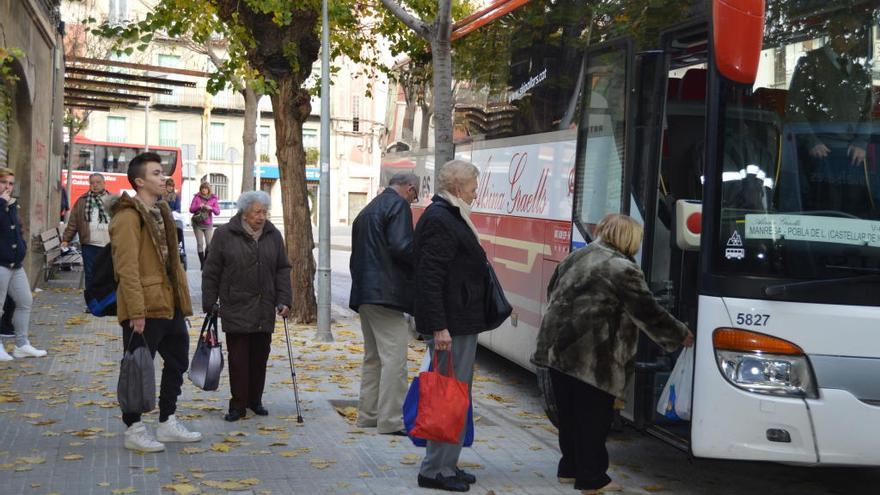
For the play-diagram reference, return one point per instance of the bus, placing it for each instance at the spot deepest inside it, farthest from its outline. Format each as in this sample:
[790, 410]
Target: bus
[741, 134]
[111, 160]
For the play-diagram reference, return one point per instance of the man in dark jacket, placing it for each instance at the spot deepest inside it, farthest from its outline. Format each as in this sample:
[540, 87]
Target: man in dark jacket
[247, 270]
[381, 291]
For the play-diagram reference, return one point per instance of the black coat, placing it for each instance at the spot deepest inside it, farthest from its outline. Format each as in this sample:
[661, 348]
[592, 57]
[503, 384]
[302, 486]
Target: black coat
[381, 262]
[450, 273]
[12, 243]
[249, 278]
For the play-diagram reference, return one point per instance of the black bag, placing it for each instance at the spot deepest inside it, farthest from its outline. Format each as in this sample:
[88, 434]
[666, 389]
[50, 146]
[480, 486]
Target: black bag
[207, 361]
[497, 308]
[199, 218]
[136, 388]
[101, 294]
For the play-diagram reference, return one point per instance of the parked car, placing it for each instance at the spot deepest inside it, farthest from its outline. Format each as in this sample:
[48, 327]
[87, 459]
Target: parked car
[228, 209]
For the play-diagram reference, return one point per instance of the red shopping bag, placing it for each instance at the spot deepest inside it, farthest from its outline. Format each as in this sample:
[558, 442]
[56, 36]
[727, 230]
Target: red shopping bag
[443, 405]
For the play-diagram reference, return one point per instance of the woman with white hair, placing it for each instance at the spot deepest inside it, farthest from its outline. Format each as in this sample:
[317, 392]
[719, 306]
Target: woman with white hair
[247, 270]
[451, 276]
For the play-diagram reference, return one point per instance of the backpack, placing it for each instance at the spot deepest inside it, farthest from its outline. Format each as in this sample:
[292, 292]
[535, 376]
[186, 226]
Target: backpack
[101, 296]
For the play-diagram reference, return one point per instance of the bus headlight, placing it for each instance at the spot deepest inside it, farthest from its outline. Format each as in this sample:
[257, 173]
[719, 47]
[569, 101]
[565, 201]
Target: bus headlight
[763, 364]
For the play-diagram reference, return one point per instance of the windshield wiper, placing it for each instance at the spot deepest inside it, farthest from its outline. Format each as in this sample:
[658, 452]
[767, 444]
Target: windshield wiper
[856, 269]
[781, 290]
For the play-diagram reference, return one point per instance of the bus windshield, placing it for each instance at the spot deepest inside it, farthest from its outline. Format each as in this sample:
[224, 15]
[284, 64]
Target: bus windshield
[800, 161]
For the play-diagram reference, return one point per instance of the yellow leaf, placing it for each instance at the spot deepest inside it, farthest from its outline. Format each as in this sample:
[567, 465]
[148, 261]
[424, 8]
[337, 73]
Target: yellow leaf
[221, 447]
[151, 470]
[288, 453]
[119, 491]
[32, 415]
[32, 460]
[192, 450]
[181, 488]
[72, 457]
[103, 484]
[318, 463]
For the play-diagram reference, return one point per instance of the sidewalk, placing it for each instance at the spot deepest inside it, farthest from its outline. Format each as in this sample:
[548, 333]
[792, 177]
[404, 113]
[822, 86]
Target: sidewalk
[60, 427]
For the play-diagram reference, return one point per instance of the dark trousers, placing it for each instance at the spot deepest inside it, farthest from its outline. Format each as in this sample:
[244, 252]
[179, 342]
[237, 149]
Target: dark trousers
[585, 415]
[88, 257]
[171, 340]
[248, 353]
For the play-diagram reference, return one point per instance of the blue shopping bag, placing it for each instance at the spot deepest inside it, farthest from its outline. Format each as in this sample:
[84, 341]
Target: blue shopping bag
[411, 409]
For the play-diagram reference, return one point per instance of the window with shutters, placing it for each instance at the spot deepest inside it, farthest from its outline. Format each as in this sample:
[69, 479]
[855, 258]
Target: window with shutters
[219, 184]
[167, 132]
[116, 131]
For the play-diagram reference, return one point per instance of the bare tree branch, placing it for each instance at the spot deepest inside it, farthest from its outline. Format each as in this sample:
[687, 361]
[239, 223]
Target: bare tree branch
[421, 29]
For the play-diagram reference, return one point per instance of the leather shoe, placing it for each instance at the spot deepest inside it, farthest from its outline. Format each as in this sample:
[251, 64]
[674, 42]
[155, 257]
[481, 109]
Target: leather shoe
[234, 415]
[258, 409]
[398, 433]
[465, 476]
[440, 482]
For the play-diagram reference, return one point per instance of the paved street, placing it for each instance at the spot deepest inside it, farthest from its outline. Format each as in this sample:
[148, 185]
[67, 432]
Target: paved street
[60, 430]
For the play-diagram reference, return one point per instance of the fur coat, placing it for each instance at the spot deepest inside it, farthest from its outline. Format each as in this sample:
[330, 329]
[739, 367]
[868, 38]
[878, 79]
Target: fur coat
[598, 302]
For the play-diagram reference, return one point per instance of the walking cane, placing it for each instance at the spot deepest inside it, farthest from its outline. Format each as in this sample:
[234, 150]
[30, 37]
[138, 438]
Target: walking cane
[299, 418]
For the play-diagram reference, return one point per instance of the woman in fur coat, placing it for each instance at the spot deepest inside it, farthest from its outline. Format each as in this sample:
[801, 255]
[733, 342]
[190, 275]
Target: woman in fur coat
[598, 302]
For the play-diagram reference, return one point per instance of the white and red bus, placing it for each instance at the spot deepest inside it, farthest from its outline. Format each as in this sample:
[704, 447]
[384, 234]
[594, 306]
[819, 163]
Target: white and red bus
[111, 160]
[741, 133]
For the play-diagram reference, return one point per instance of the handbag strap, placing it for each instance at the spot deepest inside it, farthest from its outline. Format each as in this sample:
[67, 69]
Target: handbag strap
[131, 339]
[450, 371]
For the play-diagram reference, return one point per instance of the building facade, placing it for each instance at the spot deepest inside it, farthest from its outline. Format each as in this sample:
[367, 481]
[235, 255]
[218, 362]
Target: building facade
[31, 112]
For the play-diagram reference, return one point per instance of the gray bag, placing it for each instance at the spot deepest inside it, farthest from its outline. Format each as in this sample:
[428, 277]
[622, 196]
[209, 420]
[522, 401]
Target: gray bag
[136, 389]
[207, 361]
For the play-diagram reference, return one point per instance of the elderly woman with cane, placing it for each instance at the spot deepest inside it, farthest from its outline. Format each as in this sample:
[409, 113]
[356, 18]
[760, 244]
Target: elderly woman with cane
[450, 295]
[598, 302]
[248, 271]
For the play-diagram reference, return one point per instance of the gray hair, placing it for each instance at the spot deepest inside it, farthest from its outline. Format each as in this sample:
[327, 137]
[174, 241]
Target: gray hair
[454, 174]
[96, 174]
[404, 179]
[247, 199]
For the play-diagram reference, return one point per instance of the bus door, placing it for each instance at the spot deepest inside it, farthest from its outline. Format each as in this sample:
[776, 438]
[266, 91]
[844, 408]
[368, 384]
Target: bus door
[667, 166]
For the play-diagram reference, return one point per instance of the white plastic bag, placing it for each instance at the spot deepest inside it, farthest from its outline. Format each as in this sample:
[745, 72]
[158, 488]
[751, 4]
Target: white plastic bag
[675, 401]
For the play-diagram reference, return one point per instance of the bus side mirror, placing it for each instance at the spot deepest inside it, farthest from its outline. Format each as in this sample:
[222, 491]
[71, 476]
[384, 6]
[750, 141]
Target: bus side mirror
[688, 224]
[738, 36]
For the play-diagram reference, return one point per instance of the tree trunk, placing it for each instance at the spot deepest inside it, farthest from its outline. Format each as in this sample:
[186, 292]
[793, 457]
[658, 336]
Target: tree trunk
[427, 112]
[441, 56]
[409, 119]
[292, 107]
[249, 137]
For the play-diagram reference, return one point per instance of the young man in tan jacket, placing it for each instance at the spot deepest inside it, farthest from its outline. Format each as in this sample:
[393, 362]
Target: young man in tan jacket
[152, 295]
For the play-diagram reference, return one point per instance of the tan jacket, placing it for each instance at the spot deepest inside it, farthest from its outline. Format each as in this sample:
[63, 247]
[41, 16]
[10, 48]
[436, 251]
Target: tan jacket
[77, 221]
[145, 289]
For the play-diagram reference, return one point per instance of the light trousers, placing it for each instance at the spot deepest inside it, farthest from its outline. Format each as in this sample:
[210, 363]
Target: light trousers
[14, 282]
[383, 375]
[203, 237]
[441, 457]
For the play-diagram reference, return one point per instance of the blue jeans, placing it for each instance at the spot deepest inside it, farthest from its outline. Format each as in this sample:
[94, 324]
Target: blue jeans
[88, 255]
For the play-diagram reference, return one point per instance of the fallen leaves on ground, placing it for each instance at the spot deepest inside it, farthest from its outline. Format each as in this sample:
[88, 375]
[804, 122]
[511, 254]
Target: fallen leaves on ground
[654, 488]
[319, 463]
[349, 413]
[73, 457]
[181, 488]
[409, 459]
[120, 491]
[232, 484]
[192, 450]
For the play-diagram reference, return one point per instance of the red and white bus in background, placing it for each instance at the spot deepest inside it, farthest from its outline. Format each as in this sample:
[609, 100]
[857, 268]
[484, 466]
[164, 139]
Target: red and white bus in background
[703, 119]
[111, 160]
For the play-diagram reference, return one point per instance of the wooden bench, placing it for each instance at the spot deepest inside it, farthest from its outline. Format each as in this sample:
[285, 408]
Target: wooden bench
[55, 258]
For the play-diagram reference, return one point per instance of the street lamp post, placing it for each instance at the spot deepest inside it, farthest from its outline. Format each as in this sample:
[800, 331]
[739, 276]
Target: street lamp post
[323, 333]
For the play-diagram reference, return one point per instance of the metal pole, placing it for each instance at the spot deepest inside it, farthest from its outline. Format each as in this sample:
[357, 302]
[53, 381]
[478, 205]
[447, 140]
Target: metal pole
[258, 168]
[324, 333]
[147, 126]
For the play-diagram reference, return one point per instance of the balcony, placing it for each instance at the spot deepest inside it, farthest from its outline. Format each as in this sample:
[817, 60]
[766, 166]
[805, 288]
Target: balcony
[198, 97]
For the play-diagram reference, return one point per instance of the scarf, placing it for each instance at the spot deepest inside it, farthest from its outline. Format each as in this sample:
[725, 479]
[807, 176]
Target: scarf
[255, 234]
[95, 201]
[463, 208]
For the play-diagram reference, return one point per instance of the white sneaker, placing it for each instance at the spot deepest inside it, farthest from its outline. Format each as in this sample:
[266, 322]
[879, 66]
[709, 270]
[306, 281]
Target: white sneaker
[173, 430]
[137, 437]
[4, 356]
[27, 350]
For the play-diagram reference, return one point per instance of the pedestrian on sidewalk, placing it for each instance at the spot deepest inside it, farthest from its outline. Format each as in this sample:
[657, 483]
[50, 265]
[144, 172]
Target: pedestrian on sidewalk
[248, 271]
[381, 268]
[13, 279]
[90, 220]
[204, 206]
[171, 197]
[589, 364]
[152, 295]
[450, 297]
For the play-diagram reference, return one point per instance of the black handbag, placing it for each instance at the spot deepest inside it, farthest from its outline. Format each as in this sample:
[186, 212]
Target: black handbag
[497, 308]
[207, 361]
[136, 388]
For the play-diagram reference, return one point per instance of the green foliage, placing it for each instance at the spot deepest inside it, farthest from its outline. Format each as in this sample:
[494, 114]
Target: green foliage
[7, 56]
